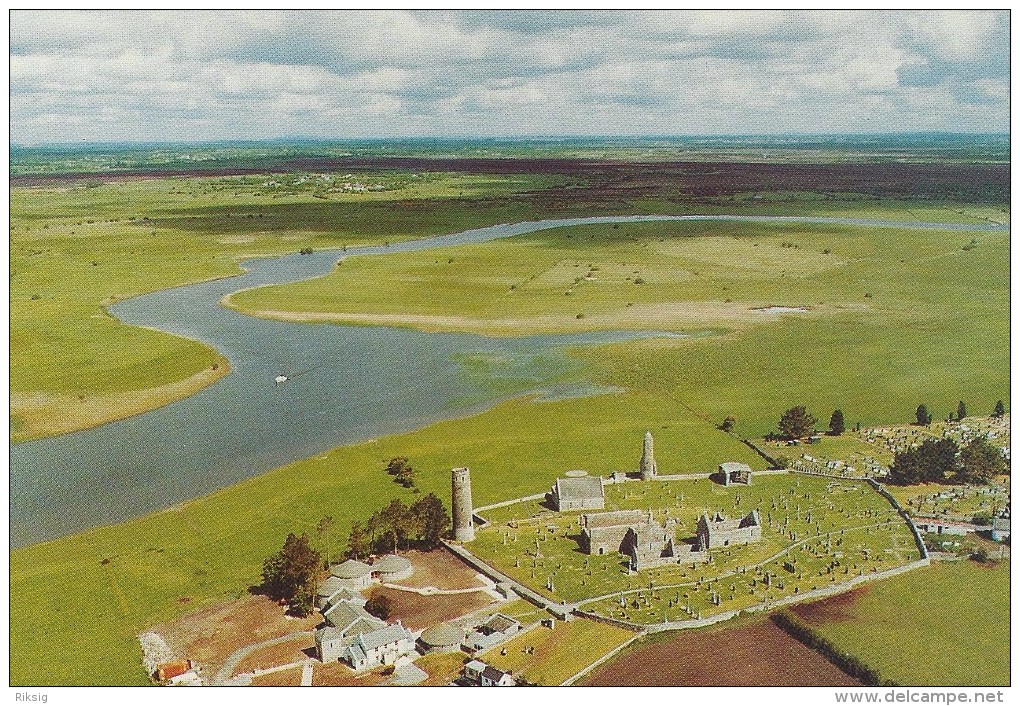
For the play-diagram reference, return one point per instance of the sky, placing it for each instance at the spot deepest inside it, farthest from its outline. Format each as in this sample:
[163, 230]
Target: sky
[108, 76]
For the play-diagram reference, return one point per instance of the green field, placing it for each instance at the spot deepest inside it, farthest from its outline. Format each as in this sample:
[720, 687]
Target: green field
[830, 531]
[882, 316]
[79, 246]
[560, 653]
[935, 327]
[944, 625]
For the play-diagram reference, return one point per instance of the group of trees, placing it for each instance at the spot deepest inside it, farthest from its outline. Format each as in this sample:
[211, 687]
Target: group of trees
[402, 472]
[939, 461]
[289, 575]
[399, 526]
[797, 423]
[924, 417]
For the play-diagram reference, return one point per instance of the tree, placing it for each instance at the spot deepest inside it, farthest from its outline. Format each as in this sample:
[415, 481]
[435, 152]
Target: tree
[836, 424]
[432, 520]
[324, 529]
[359, 542]
[402, 472]
[979, 463]
[394, 520]
[796, 423]
[728, 423]
[1000, 410]
[923, 417]
[379, 606]
[291, 569]
[302, 602]
[928, 463]
[961, 410]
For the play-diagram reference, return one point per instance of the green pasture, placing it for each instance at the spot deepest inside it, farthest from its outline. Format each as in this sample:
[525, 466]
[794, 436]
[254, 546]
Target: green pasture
[943, 625]
[94, 591]
[830, 531]
[78, 247]
[910, 313]
[558, 654]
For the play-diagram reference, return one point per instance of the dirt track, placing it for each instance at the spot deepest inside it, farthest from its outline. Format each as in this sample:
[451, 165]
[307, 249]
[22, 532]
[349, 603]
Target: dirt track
[754, 655]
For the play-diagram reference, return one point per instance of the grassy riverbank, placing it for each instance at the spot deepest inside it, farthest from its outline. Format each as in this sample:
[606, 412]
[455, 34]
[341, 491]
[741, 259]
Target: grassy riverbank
[79, 246]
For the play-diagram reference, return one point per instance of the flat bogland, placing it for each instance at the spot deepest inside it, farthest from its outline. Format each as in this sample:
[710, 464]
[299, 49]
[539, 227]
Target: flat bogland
[759, 654]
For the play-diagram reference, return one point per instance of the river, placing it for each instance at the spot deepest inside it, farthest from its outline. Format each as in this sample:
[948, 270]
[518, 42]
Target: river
[348, 384]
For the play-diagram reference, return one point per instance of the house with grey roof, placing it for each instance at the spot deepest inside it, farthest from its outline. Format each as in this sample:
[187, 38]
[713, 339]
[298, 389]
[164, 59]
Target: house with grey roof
[344, 622]
[585, 493]
[380, 647]
[496, 677]
[1000, 526]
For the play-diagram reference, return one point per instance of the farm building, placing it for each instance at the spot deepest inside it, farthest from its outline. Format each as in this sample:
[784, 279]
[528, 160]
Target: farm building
[353, 574]
[440, 638]
[392, 568]
[479, 673]
[493, 631]
[344, 621]
[584, 493]
[379, 647]
[496, 677]
[733, 473]
[332, 590]
[717, 531]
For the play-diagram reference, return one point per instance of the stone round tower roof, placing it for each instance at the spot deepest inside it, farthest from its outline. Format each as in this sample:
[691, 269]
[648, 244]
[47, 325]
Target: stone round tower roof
[442, 635]
[350, 569]
[391, 564]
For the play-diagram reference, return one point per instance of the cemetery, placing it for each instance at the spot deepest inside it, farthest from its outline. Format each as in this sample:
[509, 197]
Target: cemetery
[816, 533]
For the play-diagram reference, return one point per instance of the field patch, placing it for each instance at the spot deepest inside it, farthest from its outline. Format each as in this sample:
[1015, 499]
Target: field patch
[943, 625]
[759, 654]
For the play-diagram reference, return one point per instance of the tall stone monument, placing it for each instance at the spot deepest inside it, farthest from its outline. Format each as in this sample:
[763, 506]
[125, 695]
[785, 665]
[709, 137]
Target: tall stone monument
[647, 467]
[463, 510]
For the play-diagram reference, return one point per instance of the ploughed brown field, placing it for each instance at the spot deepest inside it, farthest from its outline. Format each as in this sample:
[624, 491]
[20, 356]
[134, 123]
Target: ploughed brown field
[759, 654]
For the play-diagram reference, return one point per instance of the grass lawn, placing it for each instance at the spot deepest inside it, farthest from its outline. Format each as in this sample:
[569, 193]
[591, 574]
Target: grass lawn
[944, 625]
[558, 654]
[830, 531]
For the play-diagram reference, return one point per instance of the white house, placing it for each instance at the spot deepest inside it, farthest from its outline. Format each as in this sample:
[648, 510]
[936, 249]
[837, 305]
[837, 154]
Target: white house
[378, 647]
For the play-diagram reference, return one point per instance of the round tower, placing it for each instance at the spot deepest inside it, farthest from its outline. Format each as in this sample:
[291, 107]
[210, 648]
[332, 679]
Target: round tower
[647, 467]
[463, 510]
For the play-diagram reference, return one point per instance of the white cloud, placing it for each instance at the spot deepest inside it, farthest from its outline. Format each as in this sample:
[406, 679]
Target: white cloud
[213, 75]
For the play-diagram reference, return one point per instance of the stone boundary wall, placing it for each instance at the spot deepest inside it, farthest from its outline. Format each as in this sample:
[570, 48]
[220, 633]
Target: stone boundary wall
[499, 577]
[601, 660]
[904, 514]
[754, 447]
[789, 600]
[505, 503]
